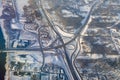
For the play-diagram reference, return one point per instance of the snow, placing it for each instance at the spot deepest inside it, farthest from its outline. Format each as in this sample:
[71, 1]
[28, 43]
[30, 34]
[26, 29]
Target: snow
[37, 57]
[64, 33]
[67, 13]
[46, 5]
[36, 44]
[18, 58]
[31, 57]
[85, 8]
[48, 59]
[25, 35]
[20, 5]
[70, 47]
[0, 3]
[20, 78]
[86, 27]
[16, 26]
[87, 1]
[52, 59]
[22, 19]
[97, 56]
[15, 44]
[32, 60]
[119, 16]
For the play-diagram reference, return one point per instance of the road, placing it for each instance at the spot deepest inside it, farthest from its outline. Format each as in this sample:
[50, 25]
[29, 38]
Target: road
[69, 65]
[67, 59]
[114, 42]
[82, 31]
[79, 32]
[16, 12]
[112, 37]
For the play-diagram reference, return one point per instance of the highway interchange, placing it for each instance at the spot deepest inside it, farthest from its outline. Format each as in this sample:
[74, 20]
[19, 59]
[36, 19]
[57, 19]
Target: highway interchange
[74, 72]
[69, 61]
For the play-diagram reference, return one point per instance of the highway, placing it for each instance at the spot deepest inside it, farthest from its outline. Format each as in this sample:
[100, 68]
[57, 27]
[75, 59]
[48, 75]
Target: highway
[69, 65]
[81, 30]
[112, 37]
[16, 12]
[69, 61]
[114, 42]
[78, 33]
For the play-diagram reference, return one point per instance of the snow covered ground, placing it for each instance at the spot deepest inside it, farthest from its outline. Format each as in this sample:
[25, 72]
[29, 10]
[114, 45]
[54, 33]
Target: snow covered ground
[67, 13]
[20, 4]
